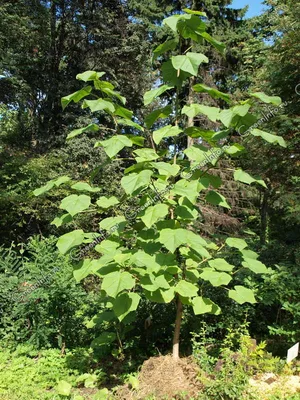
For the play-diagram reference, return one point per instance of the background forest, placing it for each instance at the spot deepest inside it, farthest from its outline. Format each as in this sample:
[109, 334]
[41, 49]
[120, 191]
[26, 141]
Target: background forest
[48, 339]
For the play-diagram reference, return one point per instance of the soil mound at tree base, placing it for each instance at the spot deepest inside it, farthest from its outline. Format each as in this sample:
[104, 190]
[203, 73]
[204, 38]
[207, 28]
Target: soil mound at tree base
[166, 378]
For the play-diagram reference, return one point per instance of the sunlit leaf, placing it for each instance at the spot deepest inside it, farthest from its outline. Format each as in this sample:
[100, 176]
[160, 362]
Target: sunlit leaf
[153, 94]
[214, 93]
[76, 96]
[166, 131]
[98, 105]
[115, 144]
[268, 137]
[75, 204]
[85, 187]
[215, 278]
[189, 63]
[202, 305]
[194, 109]
[116, 282]
[154, 213]
[70, 240]
[89, 76]
[134, 181]
[242, 295]
[267, 99]
[106, 202]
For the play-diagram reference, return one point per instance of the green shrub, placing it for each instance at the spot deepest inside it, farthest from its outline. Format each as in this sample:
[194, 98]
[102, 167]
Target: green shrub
[41, 302]
[226, 367]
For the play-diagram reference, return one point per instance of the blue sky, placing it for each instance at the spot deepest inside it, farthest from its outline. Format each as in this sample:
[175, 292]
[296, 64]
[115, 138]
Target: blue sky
[255, 6]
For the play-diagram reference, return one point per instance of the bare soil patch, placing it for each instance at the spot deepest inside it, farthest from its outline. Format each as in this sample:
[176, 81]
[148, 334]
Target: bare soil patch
[165, 378]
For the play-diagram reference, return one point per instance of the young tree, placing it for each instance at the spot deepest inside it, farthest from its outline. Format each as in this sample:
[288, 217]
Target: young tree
[150, 247]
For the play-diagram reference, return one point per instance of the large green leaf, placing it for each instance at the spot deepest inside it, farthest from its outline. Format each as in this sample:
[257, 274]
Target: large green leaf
[89, 128]
[154, 213]
[70, 240]
[108, 246]
[113, 223]
[99, 105]
[237, 243]
[76, 96]
[125, 303]
[63, 388]
[196, 132]
[214, 42]
[115, 144]
[106, 202]
[157, 114]
[166, 168]
[267, 99]
[173, 238]
[249, 254]
[221, 265]
[197, 153]
[197, 243]
[164, 47]
[187, 189]
[160, 295]
[103, 85]
[215, 278]
[188, 11]
[85, 187]
[173, 76]
[242, 295]
[138, 140]
[227, 116]
[190, 26]
[216, 94]
[123, 112]
[153, 94]
[102, 394]
[166, 131]
[89, 76]
[145, 155]
[202, 305]
[133, 182]
[184, 212]
[104, 316]
[116, 282]
[153, 283]
[75, 204]
[268, 137]
[186, 289]
[49, 185]
[242, 176]
[128, 122]
[63, 219]
[255, 266]
[189, 62]
[172, 21]
[142, 259]
[110, 92]
[194, 109]
[86, 267]
[216, 199]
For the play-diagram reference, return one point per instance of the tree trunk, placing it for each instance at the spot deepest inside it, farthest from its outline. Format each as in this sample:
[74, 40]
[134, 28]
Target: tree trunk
[264, 217]
[177, 329]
